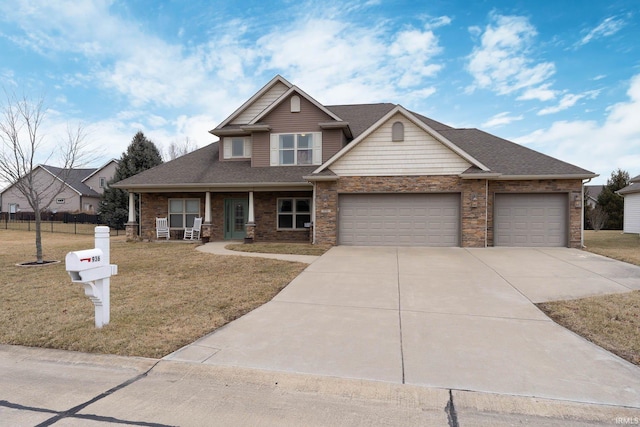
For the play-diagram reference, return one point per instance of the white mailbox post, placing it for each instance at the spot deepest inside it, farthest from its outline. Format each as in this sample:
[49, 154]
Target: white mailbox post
[91, 268]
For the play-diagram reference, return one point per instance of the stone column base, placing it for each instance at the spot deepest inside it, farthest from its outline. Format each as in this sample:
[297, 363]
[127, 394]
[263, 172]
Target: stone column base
[250, 233]
[131, 231]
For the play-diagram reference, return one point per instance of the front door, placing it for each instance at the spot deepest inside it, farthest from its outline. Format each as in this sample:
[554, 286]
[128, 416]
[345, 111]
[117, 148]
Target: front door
[235, 218]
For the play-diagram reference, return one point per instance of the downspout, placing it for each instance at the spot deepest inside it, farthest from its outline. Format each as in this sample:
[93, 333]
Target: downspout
[313, 215]
[140, 214]
[582, 214]
[486, 213]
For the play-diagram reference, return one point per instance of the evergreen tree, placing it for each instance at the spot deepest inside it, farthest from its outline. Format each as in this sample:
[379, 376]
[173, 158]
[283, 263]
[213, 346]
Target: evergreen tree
[612, 203]
[142, 154]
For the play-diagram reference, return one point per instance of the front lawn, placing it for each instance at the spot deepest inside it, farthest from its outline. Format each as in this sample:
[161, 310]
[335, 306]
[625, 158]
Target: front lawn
[165, 296]
[611, 321]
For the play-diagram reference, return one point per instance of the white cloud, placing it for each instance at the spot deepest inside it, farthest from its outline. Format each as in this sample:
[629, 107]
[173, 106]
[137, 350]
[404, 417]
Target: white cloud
[501, 119]
[541, 93]
[606, 28]
[568, 101]
[597, 147]
[502, 61]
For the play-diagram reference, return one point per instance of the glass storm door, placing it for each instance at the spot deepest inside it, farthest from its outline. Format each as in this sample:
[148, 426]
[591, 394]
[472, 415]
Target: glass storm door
[235, 218]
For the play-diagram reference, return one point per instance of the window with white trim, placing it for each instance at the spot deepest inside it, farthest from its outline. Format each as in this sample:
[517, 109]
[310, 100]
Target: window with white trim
[182, 212]
[237, 147]
[290, 149]
[103, 182]
[293, 213]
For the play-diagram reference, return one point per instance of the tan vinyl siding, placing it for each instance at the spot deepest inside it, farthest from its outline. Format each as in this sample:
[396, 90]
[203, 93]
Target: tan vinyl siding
[107, 172]
[43, 181]
[419, 154]
[260, 104]
[332, 142]
[282, 120]
[260, 151]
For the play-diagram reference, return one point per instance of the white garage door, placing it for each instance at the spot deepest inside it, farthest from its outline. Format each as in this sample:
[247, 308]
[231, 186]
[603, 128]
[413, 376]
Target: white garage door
[399, 219]
[530, 220]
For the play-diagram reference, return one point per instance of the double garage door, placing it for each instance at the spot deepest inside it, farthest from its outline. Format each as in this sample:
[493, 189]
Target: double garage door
[399, 219]
[434, 219]
[530, 220]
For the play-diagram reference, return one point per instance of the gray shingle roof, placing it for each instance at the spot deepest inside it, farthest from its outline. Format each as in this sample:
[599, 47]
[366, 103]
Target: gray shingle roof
[203, 166]
[74, 178]
[506, 157]
[633, 187]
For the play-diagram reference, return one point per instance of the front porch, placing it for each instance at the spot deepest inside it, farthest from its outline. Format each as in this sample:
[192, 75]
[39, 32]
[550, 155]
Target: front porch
[268, 216]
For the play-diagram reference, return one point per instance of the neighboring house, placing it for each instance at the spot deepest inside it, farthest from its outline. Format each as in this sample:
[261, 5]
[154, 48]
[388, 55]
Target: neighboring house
[631, 194]
[287, 168]
[591, 193]
[81, 191]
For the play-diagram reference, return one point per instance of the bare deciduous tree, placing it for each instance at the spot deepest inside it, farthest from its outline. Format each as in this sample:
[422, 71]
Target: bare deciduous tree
[23, 145]
[597, 218]
[177, 149]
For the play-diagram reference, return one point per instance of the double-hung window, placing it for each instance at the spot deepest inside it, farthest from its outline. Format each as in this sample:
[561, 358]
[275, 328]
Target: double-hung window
[237, 147]
[288, 149]
[182, 212]
[294, 213]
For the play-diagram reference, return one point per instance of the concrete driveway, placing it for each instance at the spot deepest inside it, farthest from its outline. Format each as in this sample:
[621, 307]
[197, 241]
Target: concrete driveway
[449, 318]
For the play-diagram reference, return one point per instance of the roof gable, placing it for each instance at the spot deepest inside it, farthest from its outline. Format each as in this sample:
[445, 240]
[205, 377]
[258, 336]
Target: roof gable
[286, 95]
[398, 109]
[418, 153]
[258, 102]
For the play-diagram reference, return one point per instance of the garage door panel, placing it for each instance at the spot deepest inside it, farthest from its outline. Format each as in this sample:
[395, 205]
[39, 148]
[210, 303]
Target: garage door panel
[400, 219]
[530, 220]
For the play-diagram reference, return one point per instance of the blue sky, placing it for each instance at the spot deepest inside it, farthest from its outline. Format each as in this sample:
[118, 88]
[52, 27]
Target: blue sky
[561, 77]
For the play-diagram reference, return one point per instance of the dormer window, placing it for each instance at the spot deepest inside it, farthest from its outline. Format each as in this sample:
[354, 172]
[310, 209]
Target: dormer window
[237, 147]
[397, 132]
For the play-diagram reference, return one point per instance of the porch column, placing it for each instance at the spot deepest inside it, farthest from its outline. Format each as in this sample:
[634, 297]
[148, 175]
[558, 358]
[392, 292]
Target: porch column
[132, 208]
[207, 207]
[250, 227]
[252, 219]
[131, 227]
[206, 226]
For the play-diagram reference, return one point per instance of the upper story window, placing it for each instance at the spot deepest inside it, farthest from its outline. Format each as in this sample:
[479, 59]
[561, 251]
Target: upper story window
[397, 132]
[103, 182]
[237, 147]
[288, 149]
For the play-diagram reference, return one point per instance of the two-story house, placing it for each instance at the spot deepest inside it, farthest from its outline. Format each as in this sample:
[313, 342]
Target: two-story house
[70, 190]
[287, 168]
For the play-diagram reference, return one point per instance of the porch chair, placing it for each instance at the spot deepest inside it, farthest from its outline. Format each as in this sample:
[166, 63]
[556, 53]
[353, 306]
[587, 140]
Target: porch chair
[193, 233]
[162, 228]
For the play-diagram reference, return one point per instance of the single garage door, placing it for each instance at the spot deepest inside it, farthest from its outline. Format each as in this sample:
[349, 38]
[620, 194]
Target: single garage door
[530, 220]
[399, 219]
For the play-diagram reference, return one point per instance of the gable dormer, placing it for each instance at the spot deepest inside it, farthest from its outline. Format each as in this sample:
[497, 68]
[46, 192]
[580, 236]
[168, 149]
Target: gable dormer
[281, 125]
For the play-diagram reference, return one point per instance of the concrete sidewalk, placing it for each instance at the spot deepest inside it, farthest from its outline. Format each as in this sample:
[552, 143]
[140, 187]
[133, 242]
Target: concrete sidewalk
[449, 318]
[218, 248]
[62, 388]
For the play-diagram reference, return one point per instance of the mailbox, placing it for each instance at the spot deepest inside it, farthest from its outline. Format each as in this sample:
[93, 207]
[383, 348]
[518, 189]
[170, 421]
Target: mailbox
[88, 265]
[91, 268]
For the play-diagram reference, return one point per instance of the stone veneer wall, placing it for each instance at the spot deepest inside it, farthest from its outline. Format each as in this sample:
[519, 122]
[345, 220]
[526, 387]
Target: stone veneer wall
[472, 207]
[571, 187]
[476, 210]
[265, 212]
